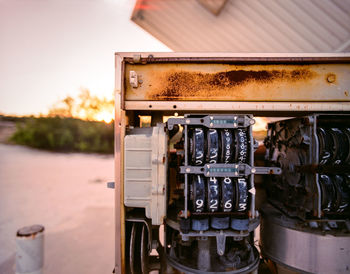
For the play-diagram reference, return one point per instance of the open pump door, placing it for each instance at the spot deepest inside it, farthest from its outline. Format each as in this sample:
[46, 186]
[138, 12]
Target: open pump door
[189, 187]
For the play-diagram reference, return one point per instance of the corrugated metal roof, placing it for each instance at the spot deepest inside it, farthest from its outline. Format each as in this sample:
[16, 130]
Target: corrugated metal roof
[248, 25]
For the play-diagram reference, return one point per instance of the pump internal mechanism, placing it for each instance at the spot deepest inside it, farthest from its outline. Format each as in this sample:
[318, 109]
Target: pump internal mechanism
[314, 154]
[211, 213]
[311, 198]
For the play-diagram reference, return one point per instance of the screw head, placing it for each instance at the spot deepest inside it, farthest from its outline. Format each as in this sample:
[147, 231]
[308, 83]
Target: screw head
[331, 78]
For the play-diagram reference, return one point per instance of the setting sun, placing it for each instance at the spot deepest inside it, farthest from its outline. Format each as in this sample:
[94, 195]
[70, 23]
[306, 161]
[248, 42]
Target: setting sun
[105, 116]
[85, 107]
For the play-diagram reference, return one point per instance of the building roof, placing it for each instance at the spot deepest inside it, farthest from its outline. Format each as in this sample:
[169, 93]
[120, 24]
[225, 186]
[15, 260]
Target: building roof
[247, 25]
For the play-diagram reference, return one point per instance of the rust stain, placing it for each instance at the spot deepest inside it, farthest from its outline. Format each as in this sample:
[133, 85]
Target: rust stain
[174, 85]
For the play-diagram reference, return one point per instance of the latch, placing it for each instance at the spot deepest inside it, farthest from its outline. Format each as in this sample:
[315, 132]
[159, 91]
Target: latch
[135, 79]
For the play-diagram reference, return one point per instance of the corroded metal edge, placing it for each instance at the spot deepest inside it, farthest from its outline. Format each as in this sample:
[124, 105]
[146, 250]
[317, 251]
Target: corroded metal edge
[235, 57]
[237, 106]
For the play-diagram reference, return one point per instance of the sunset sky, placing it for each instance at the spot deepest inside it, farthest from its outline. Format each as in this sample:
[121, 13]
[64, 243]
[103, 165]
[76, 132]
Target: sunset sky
[52, 48]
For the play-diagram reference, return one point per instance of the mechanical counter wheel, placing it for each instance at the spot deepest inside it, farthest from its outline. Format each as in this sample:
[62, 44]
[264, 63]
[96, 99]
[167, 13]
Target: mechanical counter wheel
[197, 142]
[335, 192]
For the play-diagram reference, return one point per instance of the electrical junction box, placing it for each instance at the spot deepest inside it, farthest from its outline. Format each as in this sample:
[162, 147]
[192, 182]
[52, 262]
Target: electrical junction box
[145, 171]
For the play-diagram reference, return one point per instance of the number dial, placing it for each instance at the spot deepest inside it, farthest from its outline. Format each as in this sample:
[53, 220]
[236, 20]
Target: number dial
[227, 191]
[241, 194]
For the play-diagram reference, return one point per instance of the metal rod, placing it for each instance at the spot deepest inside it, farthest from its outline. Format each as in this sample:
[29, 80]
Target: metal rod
[315, 150]
[186, 176]
[252, 202]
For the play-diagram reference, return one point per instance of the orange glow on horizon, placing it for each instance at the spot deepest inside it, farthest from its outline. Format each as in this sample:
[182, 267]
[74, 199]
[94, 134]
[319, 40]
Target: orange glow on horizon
[105, 116]
[86, 107]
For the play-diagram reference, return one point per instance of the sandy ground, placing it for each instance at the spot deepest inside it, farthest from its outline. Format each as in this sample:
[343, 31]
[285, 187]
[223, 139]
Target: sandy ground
[67, 194]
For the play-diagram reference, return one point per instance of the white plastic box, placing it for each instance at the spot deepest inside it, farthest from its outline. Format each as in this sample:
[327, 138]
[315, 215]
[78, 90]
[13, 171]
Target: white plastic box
[145, 171]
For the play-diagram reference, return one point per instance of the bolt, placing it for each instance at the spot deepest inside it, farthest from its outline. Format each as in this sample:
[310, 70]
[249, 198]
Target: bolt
[188, 121]
[252, 122]
[253, 170]
[188, 170]
[331, 78]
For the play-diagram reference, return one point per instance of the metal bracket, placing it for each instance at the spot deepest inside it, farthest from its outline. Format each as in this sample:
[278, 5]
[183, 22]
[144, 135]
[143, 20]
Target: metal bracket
[111, 185]
[133, 79]
[228, 170]
[215, 233]
[136, 58]
[220, 243]
[213, 121]
[266, 170]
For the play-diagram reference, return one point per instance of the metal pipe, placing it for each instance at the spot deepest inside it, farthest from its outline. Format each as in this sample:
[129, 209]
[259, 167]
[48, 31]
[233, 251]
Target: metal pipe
[315, 150]
[30, 250]
[252, 187]
[186, 164]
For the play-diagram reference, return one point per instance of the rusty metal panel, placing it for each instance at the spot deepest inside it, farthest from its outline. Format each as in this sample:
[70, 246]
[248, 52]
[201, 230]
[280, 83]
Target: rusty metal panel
[297, 82]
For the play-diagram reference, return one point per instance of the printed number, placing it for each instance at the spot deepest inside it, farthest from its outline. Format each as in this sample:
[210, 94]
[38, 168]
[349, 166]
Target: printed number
[213, 180]
[214, 204]
[199, 203]
[214, 185]
[227, 180]
[242, 207]
[199, 131]
[215, 189]
[214, 154]
[228, 204]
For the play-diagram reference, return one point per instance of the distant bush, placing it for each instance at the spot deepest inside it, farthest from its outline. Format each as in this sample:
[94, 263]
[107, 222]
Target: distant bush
[65, 134]
[14, 119]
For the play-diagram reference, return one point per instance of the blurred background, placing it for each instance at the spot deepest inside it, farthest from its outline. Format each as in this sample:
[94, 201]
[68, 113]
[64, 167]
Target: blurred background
[56, 126]
[57, 101]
